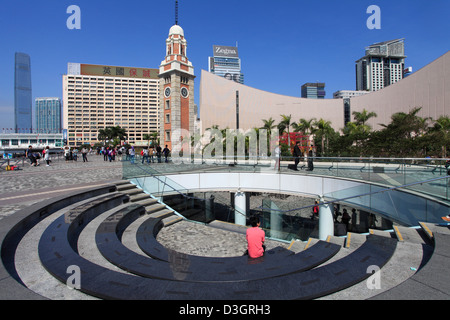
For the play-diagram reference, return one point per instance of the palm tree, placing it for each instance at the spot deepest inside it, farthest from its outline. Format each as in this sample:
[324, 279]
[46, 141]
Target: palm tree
[147, 137]
[441, 133]
[362, 117]
[303, 125]
[269, 125]
[284, 124]
[323, 129]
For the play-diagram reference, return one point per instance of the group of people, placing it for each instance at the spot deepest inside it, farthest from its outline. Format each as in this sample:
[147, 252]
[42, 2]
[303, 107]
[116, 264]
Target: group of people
[297, 153]
[34, 156]
[72, 153]
[149, 154]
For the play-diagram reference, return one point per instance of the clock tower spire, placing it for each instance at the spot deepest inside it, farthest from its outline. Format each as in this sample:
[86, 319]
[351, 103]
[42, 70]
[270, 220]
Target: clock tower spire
[177, 87]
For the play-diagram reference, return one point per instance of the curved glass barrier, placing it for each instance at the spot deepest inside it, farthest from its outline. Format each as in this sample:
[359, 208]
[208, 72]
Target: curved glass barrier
[384, 192]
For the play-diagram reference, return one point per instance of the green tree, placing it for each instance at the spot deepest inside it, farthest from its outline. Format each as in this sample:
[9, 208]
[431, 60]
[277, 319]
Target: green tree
[440, 134]
[362, 117]
[322, 130]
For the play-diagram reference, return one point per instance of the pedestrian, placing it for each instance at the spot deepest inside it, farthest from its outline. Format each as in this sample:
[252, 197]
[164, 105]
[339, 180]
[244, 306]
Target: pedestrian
[30, 155]
[84, 152]
[105, 154]
[75, 154]
[297, 153]
[47, 156]
[158, 153]
[152, 155]
[345, 218]
[255, 239]
[166, 152]
[145, 155]
[315, 213]
[67, 153]
[132, 154]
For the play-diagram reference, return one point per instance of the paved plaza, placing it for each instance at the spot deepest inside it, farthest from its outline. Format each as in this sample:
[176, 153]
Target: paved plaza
[30, 185]
[22, 188]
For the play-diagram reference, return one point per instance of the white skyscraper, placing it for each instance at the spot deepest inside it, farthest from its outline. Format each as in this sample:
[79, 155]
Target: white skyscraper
[382, 65]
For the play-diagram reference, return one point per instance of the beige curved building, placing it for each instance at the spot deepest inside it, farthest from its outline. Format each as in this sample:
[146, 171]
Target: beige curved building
[428, 88]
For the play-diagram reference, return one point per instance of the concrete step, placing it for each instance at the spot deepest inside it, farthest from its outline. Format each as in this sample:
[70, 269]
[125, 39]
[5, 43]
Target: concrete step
[171, 220]
[146, 202]
[310, 243]
[127, 186]
[162, 213]
[139, 196]
[155, 208]
[336, 240]
[121, 182]
[383, 233]
[354, 240]
[131, 192]
[413, 235]
[430, 228]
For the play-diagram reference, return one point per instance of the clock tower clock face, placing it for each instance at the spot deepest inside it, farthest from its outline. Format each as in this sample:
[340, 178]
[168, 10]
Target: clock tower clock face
[184, 92]
[167, 92]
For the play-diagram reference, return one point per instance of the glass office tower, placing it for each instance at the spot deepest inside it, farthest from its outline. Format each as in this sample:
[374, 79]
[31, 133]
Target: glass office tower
[22, 94]
[48, 115]
[226, 63]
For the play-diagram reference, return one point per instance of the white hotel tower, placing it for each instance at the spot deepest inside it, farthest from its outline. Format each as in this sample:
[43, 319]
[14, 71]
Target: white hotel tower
[382, 65]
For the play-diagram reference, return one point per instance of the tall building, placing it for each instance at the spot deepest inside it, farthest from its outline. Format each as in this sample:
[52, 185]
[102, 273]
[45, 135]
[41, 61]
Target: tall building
[22, 94]
[48, 115]
[314, 90]
[100, 96]
[177, 89]
[382, 65]
[226, 63]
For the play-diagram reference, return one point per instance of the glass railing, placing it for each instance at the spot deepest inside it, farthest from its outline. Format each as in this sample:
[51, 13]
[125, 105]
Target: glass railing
[183, 201]
[425, 180]
[380, 171]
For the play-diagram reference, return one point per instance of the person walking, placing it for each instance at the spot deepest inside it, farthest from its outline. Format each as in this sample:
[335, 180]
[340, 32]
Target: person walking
[297, 153]
[84, 152]
[132, 154]
[29, 154]
[47, 156]
[166, 152]
[145, 156]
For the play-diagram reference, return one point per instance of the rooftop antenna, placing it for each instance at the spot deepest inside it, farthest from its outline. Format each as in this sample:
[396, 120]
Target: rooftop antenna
[176, 12]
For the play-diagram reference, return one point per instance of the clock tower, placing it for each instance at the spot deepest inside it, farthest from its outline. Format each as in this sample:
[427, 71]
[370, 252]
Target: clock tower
[176, 75]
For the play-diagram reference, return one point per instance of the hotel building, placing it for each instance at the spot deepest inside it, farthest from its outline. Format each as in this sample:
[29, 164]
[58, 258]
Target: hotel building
[99, 96]
[382, 65]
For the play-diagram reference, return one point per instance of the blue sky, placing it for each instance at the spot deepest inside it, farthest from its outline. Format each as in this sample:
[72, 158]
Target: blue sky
[282, 44]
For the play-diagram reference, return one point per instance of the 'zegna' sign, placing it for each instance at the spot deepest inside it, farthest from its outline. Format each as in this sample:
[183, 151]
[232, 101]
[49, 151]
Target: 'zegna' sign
[222, 51]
